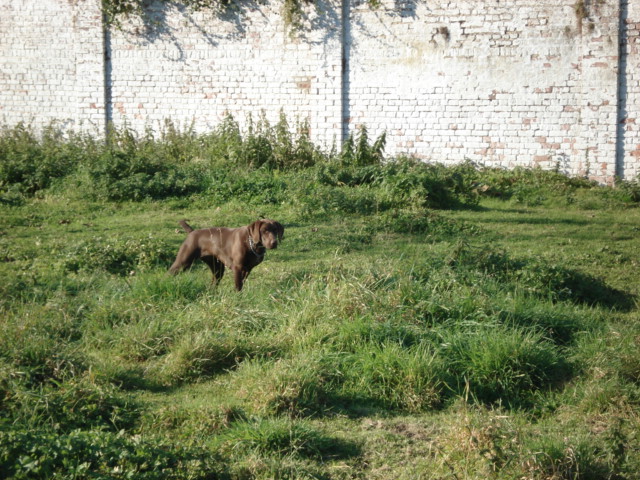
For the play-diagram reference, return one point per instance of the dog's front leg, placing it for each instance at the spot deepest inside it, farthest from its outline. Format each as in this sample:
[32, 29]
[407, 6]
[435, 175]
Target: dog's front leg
[239, 275]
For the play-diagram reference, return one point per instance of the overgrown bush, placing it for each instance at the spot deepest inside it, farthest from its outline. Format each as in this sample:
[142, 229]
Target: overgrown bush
[132, 169]
[535, 186]
[270, 164]
[265, 188]
[630, 189]
[262, 146]
[424, 222]
[405, 182]
[358, 152]
[30, 163]
[527, 185]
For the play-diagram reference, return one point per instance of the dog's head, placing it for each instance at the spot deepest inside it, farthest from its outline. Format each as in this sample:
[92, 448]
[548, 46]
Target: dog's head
[267, 232]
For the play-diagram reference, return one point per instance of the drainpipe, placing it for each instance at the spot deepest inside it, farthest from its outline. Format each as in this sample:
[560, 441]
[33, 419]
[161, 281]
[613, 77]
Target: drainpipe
[621, 114]
[107, 74]
[345, 44]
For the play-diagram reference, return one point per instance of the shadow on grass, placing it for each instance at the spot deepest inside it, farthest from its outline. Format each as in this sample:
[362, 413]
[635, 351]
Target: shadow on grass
[589, 290]
[525, 219]
[133, 379]
[283, 436]
[540, 278]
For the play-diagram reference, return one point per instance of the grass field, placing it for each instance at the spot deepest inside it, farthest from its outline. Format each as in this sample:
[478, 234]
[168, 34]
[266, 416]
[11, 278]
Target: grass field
[416, 322]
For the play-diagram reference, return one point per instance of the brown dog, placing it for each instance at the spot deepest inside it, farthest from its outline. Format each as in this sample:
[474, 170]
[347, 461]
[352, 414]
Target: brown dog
[240, 249]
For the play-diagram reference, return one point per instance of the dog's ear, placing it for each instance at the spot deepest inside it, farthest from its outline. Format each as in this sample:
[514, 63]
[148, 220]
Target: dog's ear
[279, 230]
[254, 230]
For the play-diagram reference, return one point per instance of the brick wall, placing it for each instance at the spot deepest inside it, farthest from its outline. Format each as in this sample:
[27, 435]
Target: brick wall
[499, 83]
[51, 63]
[528, 82]
[629, 125]
[196, 67]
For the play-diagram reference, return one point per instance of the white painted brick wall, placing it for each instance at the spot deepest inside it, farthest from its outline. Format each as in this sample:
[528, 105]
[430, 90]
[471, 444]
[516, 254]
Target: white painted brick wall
[200, 66]
[630, 125]
[51, 63]
[499, 83]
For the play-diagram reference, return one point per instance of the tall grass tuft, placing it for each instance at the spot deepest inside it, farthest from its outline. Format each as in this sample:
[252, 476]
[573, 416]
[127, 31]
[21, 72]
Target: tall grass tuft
[393, 377]
[502, 365]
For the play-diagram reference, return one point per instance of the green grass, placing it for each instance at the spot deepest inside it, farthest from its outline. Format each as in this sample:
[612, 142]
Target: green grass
[493, 337]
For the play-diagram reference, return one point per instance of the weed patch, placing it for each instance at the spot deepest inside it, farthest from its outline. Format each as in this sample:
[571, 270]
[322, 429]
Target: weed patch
[201, 354]
[424, 222]
[74, 403]
[30, 163]
[42, 454]
[294, 387]
[126, 176]
[535, 187]
[117, 255]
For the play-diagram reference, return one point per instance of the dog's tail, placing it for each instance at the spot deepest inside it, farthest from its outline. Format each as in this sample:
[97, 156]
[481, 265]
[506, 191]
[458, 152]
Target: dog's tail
[186, 226]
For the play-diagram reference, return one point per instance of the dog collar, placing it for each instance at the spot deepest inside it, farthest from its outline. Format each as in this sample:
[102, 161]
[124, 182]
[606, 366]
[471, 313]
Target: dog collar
[252, 247]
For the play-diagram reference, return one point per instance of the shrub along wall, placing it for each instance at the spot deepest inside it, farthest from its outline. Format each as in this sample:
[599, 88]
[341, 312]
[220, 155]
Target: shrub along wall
[504, 84]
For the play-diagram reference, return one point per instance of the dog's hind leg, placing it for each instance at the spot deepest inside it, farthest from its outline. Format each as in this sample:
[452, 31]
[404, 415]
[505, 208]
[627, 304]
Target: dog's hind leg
[185, 258]
[216, 266]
